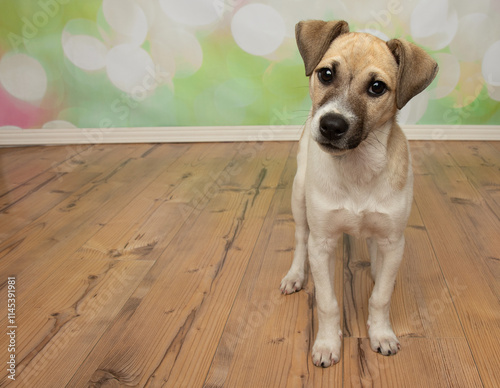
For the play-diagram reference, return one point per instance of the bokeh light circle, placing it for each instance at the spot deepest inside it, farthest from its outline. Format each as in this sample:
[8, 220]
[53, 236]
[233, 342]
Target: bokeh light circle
[447, 77]
[470, 84]
[494, 92]
[192, 12]
[258, 29]
[84, 51]
[433, 23]
[177, 45]
[466, 45]
[127, 19]
[23, 77]
[130, 68]
[58, 124]
[414, 110]
[467, 7]
[491, 64]
[377, 33]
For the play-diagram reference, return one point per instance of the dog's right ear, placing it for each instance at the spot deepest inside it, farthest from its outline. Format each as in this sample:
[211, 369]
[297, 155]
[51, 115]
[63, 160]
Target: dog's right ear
[314, 38]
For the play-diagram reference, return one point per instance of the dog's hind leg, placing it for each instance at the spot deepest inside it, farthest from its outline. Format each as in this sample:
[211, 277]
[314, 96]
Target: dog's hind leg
[372, 250]
[382, 337]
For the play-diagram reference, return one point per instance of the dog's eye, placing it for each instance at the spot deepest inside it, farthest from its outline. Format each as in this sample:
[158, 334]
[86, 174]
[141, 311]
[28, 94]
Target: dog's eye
[377, 88]
[325, 75]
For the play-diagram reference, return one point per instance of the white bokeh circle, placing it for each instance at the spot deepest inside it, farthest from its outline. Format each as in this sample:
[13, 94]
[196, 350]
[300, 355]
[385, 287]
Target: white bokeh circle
[471, 40]
[127, 19]
[131, 69]
[433, 23]
[258, 29]
[471, 83]
[377, 33]
[23, 77]
[467, 7]
[84, 51]
[494, 92]
[304, 10]
[414, 110]
[180, 46]
[10, 128]
[491, 64]
[163, 56]
[447, 77]
[58, 124]
[150, 9]
[192, 12]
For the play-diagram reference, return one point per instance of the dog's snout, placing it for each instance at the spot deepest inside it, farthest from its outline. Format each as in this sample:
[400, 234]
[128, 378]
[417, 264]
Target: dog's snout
[333, 126]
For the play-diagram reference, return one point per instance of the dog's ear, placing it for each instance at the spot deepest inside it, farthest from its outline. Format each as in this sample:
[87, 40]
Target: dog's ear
[314, 38]
[416, 70]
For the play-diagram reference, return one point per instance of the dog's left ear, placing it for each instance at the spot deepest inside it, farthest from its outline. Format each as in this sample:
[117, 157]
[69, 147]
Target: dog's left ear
[416, 70]
[314, 38]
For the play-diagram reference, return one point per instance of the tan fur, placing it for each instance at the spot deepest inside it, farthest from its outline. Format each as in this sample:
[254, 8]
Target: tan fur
[398, 158]
[358, 56]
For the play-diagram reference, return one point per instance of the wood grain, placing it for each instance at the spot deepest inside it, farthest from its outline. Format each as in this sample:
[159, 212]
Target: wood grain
[159, 266]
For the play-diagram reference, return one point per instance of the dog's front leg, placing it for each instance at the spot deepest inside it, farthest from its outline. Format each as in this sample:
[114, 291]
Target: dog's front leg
[382, 337]
[326, 349]
[296, 278]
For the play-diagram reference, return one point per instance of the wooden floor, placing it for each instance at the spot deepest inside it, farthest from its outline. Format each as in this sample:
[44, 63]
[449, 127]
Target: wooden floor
[159, 266]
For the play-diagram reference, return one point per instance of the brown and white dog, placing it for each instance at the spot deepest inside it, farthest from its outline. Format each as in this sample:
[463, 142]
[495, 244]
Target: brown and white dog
[354, 171]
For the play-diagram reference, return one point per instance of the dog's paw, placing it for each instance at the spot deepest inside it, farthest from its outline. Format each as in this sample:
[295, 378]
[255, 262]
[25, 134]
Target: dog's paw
[291, 283]
[326, 352]
[383, 340]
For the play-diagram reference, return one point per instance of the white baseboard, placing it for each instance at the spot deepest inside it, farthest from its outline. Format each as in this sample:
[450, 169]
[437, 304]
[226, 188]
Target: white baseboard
[18, 137]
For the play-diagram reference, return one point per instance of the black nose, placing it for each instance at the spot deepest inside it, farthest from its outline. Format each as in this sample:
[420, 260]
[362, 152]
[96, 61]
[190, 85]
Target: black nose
[333, 126]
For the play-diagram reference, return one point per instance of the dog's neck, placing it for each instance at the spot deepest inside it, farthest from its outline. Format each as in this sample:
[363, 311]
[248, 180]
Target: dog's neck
[364, 163]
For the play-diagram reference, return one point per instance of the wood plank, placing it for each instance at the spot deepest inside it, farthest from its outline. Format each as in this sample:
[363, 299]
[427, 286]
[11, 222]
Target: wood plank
[11, 155]
[267, 339]
[45, 191]
[58, 329]
[39, 160]
[191, 295]
[423, 300]
[162, 208]
[473, 153]
[159, 265]
[455, 234]
[480, 163]
[58, 233]
[217, 305]
[440, 362]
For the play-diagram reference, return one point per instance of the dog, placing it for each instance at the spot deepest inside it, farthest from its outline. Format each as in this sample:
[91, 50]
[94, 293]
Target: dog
[354, 172]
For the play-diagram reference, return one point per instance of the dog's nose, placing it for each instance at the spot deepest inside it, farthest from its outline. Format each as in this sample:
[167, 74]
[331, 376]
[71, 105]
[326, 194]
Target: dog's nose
[333, 126]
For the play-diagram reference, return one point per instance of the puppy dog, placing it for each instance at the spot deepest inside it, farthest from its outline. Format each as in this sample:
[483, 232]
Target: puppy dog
[354, 172]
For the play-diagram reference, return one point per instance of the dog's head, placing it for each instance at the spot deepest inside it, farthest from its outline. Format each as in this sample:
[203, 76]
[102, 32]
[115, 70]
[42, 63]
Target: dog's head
[357, 81]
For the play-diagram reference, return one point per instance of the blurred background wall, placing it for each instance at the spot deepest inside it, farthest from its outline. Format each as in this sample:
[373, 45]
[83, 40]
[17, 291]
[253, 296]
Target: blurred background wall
[161, 63]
